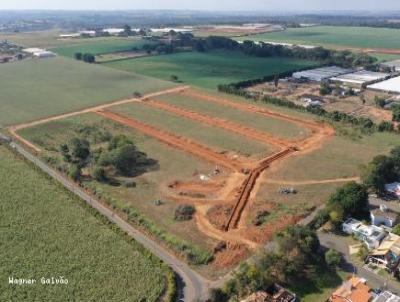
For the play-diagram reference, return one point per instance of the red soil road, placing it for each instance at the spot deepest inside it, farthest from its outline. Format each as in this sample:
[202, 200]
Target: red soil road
[314, 127]
[175, 141]
[221, 123]
[249, 185]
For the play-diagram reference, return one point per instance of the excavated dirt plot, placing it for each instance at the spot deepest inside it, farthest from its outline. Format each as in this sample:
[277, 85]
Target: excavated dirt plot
[222, 202]
[221, 205]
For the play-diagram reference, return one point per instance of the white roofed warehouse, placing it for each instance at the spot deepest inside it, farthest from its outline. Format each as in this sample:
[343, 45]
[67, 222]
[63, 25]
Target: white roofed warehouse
[360, 79]
[320, 74]
[391, 86]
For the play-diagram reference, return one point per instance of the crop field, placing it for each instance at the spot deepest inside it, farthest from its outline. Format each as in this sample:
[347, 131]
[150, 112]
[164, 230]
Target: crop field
[50, 39]
[207, 70]
[101, 47]
[37, 89]
[339, 36]
[47, 232]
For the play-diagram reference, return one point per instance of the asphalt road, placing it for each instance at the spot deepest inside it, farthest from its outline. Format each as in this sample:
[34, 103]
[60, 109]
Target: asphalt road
[337, 243]
[193, 287]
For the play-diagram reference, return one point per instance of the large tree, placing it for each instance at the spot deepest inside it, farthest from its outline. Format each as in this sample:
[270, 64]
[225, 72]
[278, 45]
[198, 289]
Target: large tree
[352, 198]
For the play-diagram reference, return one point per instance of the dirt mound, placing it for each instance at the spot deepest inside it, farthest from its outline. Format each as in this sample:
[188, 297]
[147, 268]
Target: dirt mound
[219, 215]
[268, 230]
[232, 255]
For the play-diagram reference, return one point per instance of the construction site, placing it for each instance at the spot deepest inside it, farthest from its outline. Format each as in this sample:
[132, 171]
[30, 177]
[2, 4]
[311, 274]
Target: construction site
[223, 198]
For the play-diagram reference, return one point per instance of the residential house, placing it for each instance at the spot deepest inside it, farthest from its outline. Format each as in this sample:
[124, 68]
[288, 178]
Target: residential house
[371, 235]
[387, 255]
[386, 297]
[383, 216]
[276, 293]
[354, 290]
[393, 188]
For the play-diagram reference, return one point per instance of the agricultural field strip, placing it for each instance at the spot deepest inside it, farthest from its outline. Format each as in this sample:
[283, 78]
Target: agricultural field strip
[13, 129]
[221, 123]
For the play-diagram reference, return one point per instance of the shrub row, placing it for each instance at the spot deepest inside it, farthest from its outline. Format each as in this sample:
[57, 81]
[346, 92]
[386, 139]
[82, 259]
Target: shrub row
[366, 124]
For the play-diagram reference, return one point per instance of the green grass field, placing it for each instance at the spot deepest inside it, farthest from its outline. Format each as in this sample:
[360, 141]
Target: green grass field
[273, 126]
[101, 47]
[47, 232]
[339, 157]
[35, 89]
[216, 138]
[359, 37]
[173, 165]
[209, 69]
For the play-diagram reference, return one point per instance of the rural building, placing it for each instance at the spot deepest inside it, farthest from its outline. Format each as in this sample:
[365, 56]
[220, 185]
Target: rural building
[387, 255]
[393, 188]
[392, 85]
[354, 290]
[68, 36]
[276, 293]
[371, 235]
[386, 297]
[320, 74]
[311, 100]
[114, 31]
[6, 59]
[39, 52]
[392, 65]
[360, 78]
[383, 216]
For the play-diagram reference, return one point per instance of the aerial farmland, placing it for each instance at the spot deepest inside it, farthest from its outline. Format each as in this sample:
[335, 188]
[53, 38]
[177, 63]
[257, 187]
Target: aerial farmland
[163, 162]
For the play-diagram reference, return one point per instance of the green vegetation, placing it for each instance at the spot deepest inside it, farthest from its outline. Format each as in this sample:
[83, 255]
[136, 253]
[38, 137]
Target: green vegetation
[48, 232]
[209, 69]
[102, 46]
[134, 196]
[361, 37]
[270, 125]
[296, 260]
[219, 139]
[36, 89]
[382, 170]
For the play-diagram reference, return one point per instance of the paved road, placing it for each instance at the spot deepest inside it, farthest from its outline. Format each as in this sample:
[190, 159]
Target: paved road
[339, 244]
[193, 286]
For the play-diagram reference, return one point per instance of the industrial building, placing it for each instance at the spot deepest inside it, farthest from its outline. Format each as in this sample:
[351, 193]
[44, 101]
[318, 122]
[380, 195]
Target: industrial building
[392, 65]
[392, 85]
[360, 78]
[320, 74]
[39, 53]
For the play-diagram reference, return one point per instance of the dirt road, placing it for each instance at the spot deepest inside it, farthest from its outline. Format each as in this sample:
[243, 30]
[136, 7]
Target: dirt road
[175, 141]
[221, 123]
[13, 129]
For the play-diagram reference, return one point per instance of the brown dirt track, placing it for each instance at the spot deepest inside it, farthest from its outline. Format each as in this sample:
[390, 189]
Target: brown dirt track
[221, 123]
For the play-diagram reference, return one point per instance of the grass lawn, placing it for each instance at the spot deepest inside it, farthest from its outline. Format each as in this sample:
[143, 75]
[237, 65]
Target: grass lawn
[359, 37]
[173, 165]
[340, 156]
[271, 125]
[209, 69]
[101, 46]
[47, 232]
[216, 138]
[35, 89]
[319, 285]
